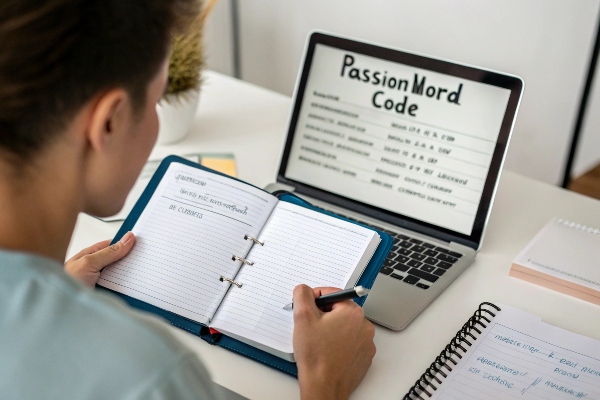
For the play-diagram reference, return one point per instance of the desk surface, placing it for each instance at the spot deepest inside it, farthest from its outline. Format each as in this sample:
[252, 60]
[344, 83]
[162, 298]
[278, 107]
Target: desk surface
[251, 122]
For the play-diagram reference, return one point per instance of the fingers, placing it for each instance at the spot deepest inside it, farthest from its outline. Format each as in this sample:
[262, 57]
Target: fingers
[304, 303]
[320, 291]
[333, 350]
[109, 254]
[348, 306]
[305, 292]
[90, 250]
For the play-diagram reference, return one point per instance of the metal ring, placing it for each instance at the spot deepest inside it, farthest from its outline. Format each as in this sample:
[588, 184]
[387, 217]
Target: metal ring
[243, 260]
[255, 240]
[223, 278]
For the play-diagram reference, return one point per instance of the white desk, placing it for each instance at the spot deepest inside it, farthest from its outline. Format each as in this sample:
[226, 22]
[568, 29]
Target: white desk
[251, 122]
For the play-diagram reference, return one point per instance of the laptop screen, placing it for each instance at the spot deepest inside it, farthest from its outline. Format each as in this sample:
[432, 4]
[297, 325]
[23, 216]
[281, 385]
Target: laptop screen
[402, 138]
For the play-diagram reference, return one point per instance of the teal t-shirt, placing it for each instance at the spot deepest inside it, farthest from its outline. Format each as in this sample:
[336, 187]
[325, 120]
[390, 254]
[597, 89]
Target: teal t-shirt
[62, 340]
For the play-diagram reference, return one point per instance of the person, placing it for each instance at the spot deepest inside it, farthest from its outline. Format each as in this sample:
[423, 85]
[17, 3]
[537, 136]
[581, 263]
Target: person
[79, 80]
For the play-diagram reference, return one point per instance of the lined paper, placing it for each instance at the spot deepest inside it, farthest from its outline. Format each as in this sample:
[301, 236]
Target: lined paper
[519, 356]
[300, 246]
[185, 239]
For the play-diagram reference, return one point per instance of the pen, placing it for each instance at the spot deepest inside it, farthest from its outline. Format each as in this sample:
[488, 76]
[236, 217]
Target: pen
[335, 297]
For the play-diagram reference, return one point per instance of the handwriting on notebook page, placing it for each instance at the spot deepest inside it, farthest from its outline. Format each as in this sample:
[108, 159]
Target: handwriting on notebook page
[185, 239]
[519, 356]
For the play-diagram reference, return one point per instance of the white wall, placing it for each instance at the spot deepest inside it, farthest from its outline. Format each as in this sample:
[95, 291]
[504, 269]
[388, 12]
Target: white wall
[218, 39]
[587, 155]
[547, 42]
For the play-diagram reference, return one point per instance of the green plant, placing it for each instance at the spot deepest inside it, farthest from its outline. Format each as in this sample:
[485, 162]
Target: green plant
[187, 57]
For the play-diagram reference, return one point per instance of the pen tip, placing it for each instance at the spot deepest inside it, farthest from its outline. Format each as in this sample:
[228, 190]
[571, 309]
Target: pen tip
[288, 307]
[361, 291]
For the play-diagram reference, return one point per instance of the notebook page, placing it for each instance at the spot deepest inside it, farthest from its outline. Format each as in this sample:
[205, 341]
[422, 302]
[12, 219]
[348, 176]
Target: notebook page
[185, 238]
[300, 246]
[519, 356]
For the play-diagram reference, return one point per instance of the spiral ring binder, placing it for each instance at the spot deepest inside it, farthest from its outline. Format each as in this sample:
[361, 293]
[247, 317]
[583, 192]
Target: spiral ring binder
[576, 225]
[243, 260]
[223, 278]
[431, 377]
[255, 240]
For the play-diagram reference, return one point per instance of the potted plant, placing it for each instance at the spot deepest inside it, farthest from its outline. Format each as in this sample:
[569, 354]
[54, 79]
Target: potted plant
[177, 109]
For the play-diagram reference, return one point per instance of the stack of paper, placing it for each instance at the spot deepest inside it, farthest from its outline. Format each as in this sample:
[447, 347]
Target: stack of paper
[563, 256]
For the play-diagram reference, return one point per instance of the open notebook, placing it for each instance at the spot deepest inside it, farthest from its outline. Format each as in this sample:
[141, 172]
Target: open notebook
[502, 352]
[227, 255]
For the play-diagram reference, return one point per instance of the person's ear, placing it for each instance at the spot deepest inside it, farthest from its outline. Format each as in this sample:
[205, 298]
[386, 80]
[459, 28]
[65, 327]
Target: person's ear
[110, 118]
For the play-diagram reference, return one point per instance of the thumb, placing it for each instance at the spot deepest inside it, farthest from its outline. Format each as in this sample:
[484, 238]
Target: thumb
[100, 259]
[304, 303]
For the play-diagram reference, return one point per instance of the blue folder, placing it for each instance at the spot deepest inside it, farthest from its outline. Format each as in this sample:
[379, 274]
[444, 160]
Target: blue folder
[366, 280]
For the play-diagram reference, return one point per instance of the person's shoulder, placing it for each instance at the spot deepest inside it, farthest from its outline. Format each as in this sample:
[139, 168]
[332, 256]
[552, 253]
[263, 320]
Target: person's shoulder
[100, 314]
[80, 342]
[116, 329]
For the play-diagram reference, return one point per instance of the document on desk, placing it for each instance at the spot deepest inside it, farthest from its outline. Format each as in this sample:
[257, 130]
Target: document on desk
[519, 356]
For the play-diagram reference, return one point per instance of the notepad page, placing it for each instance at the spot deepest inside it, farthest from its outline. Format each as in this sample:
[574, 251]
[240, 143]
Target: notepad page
[300, 246]
[519, 356]
[185, 238]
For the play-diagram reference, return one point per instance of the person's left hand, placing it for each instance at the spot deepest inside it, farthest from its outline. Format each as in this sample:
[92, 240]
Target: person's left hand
[86, 265]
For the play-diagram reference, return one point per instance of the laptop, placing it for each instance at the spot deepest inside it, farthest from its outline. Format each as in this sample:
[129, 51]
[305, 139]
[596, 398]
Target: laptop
[408, 144]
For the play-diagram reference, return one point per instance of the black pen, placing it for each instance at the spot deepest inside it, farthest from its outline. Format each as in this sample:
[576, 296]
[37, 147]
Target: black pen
[335, 297]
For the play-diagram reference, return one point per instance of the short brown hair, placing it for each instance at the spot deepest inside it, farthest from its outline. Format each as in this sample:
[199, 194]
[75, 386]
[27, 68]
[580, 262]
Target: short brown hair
[57, 54]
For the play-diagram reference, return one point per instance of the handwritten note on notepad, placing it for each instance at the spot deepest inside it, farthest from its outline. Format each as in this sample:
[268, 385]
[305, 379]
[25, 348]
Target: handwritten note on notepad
[519, 356]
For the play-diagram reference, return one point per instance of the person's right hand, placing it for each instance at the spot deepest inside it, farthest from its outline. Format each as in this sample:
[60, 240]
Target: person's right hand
[334, 349]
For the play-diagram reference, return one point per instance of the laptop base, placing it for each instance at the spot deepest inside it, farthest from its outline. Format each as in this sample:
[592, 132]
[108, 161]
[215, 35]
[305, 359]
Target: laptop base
[393, 303]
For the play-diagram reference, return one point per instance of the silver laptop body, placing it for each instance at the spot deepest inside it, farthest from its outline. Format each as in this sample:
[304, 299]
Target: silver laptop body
[405, 143]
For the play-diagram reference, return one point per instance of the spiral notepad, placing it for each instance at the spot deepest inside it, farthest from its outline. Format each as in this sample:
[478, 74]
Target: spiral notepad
[563, 256]
[503, 352]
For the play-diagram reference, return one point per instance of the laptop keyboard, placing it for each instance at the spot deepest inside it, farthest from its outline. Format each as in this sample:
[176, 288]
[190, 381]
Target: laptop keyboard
[414, 261]
[417, 262]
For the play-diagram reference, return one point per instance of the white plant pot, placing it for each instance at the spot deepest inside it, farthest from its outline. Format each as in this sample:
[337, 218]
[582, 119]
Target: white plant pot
[176, 117]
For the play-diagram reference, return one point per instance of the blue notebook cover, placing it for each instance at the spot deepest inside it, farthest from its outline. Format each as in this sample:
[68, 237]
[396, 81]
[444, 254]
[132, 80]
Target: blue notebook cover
[366, 280]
